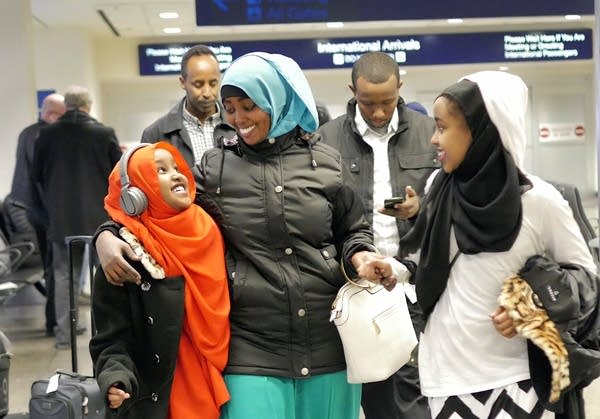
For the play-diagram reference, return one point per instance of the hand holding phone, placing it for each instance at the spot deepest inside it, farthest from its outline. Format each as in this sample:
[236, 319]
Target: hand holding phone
[390, 202]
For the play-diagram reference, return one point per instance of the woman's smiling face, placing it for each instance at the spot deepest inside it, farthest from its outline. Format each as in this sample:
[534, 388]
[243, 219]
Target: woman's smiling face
[452, 137]
[252, 123]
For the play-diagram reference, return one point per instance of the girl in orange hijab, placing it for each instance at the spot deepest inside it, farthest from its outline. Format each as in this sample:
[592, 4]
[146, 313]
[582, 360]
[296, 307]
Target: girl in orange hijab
[161, 344]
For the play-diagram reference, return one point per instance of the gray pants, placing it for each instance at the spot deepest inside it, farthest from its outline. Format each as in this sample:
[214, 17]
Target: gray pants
[60, 261]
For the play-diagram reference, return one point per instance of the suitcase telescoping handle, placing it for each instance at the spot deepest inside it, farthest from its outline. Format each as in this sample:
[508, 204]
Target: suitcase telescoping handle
[75, 375]
[69, 241]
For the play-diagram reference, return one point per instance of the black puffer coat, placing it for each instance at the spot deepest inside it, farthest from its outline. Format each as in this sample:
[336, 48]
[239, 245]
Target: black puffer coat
[286, 222]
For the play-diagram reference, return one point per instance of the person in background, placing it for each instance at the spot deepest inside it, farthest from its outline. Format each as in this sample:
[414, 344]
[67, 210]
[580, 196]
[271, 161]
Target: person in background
[472, 237]
[289, 217]
[386, 149]
[27, 192]
[322, 113]
[416, 106]
[179, 311]
[72, 160]
[195, 124]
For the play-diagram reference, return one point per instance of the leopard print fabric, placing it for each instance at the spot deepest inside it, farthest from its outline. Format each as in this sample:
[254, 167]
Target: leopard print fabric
[154, 269]
[532, 322]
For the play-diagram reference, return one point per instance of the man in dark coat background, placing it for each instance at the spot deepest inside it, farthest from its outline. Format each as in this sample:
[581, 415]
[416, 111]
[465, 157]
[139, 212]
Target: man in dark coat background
[196, 123]
[26, 192]
[72, 161]
[387, 152]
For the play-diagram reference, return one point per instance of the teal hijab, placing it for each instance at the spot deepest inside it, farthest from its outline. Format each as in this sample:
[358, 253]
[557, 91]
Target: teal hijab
[277, 85]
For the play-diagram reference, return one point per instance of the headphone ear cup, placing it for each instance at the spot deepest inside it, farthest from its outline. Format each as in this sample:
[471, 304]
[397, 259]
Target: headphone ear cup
[133, 200]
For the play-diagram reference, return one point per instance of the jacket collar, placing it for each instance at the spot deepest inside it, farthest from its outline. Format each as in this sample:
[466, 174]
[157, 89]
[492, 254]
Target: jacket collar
[270, 146]
[174, 120]
[76, 116]
[362, 127]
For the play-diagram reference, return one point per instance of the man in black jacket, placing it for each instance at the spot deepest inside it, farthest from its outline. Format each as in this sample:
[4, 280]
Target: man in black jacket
[26, 191]
[386, 149]
[72, 160]
[195, 124]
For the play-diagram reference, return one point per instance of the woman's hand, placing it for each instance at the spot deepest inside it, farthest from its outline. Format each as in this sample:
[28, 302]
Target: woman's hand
[116, 396]
[110, 251]
[408, 209]
[374, 267]
[503, 323]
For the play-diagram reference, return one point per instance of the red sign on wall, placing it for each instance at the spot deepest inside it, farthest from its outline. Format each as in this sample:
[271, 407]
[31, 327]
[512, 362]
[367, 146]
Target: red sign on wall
[561, 132]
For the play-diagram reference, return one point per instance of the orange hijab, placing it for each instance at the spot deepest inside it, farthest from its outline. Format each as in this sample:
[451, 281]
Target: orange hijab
[186, 243]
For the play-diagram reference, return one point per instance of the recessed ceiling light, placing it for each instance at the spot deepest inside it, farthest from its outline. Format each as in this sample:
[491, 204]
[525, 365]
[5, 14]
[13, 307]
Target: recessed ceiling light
[572, 17]
[333, 25]
[454, 21]
[168, 15]
[403, 72]
[503, 68]
[172, 30]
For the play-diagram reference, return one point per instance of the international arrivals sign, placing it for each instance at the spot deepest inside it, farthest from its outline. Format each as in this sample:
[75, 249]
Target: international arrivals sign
[407, 50]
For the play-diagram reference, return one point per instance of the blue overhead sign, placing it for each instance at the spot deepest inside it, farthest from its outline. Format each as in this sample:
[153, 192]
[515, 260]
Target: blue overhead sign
[249, 12]
[465, 48]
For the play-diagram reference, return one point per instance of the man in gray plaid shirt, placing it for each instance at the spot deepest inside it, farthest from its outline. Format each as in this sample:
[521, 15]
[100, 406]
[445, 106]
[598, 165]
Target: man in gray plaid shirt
[195, 124]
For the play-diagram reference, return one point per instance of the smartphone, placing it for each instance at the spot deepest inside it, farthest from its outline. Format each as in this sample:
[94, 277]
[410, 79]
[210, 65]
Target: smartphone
[389, 203]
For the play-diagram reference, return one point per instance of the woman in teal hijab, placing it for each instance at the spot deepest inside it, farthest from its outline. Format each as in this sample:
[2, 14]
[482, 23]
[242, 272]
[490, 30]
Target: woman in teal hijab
[277, 86]
[289, 218]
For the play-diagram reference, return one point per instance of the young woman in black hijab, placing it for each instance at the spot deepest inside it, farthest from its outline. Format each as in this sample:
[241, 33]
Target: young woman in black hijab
[481, 221]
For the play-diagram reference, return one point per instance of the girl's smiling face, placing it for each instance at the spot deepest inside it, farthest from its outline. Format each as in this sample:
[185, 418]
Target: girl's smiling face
[452, 137]
[172, 183]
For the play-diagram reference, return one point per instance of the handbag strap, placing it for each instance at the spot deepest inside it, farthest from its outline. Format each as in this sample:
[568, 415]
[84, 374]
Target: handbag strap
[369, 284]
[365, 284]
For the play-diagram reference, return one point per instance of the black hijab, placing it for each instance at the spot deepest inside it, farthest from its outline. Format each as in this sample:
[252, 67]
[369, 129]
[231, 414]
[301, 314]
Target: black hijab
[480, 200]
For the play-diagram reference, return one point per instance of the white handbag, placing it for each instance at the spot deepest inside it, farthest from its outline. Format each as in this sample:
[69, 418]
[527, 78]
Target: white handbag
[375, 328]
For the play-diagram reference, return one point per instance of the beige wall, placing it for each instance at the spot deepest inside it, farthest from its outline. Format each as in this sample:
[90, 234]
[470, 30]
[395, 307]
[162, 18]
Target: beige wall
[17, 84]
[65, 57]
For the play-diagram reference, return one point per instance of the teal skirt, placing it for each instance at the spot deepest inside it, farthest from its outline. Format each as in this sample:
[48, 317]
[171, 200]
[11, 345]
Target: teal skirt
[325, 396]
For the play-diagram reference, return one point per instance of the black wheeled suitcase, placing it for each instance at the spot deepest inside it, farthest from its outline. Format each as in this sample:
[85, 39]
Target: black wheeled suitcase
[66, 395]
[69, 394]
